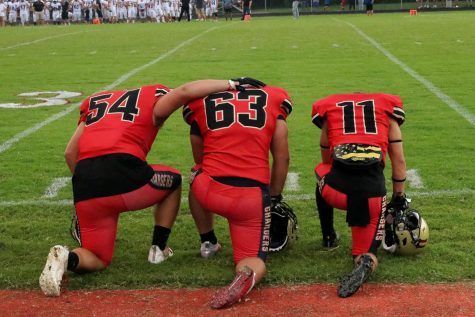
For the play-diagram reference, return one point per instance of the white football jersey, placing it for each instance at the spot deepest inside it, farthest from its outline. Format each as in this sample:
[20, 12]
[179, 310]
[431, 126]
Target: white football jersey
[24, 7]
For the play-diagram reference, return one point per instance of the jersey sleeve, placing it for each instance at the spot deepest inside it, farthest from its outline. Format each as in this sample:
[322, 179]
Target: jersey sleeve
[285, 106]
[83, 110]
[396, 109]
[318, 113]
[161, 90]
[188, 114]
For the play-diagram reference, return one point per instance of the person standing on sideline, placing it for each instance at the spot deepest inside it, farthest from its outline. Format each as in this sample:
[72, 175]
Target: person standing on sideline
[351, 5]
[357, 130]
[231, 134]
[65, 12]
[213, 7]
[369, 6]
[185, 9]
[295, 9]
[246, 8]
[342, 5]
[228, 9]
[24, 9]
[3, 13]
[199, 8]
[38, 13]
[12, 7]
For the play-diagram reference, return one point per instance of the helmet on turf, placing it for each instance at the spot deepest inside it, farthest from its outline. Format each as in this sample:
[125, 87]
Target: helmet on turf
[410, 231]
[284, 226]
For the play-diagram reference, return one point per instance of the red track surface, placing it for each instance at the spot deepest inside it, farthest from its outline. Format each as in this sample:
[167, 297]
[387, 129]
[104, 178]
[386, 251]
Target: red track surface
[307, 300]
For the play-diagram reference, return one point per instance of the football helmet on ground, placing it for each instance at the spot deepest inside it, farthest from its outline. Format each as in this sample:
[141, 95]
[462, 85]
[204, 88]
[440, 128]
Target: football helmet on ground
[284, 225]
[407, 233]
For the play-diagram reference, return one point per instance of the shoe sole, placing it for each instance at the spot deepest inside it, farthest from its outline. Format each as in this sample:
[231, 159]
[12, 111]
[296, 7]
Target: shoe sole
[352, 282]
[330, 249]
[50, 283]
[230, 295]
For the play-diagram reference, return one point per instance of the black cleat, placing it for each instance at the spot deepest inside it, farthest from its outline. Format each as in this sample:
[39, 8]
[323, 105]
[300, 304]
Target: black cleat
[332, 242]
[351, 283]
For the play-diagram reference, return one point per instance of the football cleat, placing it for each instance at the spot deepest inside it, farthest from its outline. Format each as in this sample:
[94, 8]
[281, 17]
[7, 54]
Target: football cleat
[241, 285]
[52, 275]
[332, 242]
[156, 256]
[352, 282]
[209, 249]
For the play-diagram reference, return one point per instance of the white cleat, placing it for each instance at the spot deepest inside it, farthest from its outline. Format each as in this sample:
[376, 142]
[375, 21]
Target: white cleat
[208, 249]
[56, 265]
[156, 256]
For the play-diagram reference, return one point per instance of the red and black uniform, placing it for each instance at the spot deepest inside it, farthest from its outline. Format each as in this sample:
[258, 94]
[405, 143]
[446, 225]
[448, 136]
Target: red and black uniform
[233, 179]
[111, 175]
[357, 126]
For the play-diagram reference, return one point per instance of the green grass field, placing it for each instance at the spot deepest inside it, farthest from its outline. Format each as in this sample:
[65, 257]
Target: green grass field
[428, 60]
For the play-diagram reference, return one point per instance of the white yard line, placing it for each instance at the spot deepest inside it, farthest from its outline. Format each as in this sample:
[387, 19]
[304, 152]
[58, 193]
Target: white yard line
[40, 40]
[15, 139]
[292, 182]
[288, 197]
[57, 184]
[413, 178]
[454, 105]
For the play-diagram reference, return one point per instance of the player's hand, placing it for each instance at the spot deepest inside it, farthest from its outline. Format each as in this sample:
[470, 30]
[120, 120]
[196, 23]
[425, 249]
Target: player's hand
[245, 81]
[275, 200]
[399, 202]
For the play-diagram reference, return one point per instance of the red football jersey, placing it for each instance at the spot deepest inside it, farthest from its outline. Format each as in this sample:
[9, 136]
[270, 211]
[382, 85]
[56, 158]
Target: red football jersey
[237, 129]
[119, 122]
[358, 118]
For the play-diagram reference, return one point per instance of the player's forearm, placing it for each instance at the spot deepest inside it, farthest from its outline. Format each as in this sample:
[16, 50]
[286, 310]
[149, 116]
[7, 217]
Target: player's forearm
[280, 168]
[398, 174]
[182, 95]
[72, 149]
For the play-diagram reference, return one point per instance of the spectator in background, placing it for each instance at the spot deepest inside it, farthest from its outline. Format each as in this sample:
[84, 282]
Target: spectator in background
[39, 14]
[246, 8]
[12, 7]
[47, 11]
[98, 9]
[326, 5]
[24, 8]
[65, 12]
[342, 5]
[213, 6]
[199, 8]
[185, 9]
[228, 9]
[76, 6]
[369, 6]
[132, 10]
[56, 12]
[295, 9]
[3, 13]
[352, 5]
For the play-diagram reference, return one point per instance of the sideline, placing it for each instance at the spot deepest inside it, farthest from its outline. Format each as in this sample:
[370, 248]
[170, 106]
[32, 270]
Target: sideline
[288, 197]
[16, 138]
[373, 299]
[41, 40]
[454, 105]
